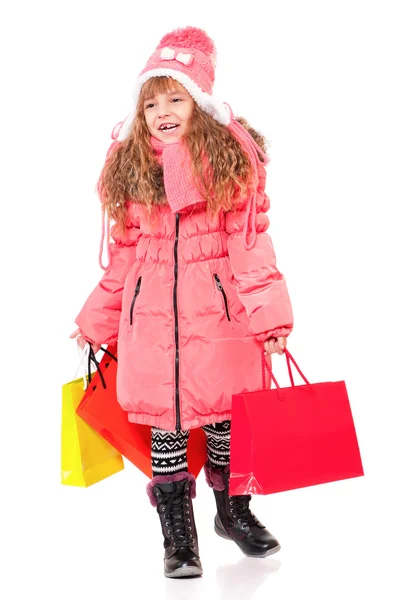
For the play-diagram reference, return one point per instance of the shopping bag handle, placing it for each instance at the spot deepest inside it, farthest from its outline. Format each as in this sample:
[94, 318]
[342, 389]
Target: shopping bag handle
[106, 351]
[92, 358]
[289, 358]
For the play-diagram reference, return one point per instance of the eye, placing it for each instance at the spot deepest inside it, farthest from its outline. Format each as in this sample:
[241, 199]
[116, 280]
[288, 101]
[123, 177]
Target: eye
[177, 99]
[149, 105]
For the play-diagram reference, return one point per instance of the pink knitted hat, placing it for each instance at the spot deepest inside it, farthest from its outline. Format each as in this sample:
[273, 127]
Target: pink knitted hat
[189, 56]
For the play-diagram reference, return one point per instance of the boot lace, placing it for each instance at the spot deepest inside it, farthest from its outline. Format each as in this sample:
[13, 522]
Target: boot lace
[240, 506]
[178, 526]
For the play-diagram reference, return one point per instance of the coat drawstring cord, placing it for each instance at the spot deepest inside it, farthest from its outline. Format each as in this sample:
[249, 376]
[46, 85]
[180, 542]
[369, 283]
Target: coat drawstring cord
[105, 234]
[251, 147]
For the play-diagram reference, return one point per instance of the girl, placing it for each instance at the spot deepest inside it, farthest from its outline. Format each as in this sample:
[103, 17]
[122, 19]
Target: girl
[191, 293]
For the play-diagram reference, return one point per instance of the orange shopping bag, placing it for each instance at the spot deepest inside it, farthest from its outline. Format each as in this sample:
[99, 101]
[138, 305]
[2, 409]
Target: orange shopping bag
[101, 410]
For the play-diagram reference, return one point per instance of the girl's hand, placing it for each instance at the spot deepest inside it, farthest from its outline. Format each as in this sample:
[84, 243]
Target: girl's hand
[81, 341]
[275, 345]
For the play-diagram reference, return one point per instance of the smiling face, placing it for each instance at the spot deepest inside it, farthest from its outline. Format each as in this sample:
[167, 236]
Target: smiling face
[167, 113]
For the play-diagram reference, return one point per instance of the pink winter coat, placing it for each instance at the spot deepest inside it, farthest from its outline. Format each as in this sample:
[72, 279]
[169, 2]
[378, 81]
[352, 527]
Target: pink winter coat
[189, 306]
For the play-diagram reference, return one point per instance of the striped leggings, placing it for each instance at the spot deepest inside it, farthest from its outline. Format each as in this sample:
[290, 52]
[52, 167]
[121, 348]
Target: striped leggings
[169, 448]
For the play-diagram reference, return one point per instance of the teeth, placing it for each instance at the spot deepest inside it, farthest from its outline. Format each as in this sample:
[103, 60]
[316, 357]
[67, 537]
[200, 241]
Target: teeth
[168, 127]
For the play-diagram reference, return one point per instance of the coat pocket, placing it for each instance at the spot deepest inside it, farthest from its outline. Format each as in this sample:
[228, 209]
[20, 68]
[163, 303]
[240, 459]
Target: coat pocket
[224, 295]
[136, 292]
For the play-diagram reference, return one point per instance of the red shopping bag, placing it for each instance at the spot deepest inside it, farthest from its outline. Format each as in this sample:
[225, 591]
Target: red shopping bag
[288, 438]
[101, 410]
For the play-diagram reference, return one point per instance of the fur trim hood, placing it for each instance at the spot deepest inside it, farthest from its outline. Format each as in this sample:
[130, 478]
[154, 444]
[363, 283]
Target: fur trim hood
[256, 135]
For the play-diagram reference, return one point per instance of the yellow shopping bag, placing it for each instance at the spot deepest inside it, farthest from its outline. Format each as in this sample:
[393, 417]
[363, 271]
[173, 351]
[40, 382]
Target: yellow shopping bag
[85, 456]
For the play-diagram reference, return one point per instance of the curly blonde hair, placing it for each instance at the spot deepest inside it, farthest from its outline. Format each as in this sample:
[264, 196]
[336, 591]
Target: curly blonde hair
[132, 172]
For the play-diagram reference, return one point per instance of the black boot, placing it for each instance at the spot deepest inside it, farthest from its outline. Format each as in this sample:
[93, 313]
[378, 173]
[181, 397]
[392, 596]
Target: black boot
[234, 519]
[172, 495]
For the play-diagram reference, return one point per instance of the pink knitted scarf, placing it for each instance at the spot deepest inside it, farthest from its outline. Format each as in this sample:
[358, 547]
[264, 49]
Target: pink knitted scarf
[179, 185]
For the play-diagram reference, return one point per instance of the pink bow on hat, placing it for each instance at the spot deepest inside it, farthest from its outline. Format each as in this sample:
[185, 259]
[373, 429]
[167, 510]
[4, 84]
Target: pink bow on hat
[170, 54]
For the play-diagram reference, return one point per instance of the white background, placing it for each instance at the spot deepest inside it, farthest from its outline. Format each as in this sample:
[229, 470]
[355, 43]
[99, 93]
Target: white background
[319, 80]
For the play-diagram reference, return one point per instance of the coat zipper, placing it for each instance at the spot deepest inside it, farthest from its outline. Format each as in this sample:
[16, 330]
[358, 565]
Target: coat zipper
[137, 291]
[175, 307]
[220, 287]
